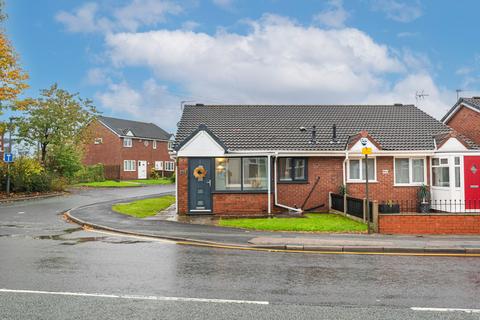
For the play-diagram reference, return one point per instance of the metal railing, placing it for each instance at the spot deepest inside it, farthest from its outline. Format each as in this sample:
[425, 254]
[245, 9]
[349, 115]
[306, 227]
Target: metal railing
[431, 206]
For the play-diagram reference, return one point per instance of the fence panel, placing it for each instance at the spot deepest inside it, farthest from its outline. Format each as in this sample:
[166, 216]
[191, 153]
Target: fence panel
[112, 172]
[337, 202]
[355, 207]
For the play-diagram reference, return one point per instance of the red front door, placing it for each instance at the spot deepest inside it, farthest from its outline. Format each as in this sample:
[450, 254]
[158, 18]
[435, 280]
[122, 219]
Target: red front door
[472, 182]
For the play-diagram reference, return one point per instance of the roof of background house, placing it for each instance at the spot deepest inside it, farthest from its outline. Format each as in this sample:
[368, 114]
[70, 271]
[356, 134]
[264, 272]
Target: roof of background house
[138, 129]
[276, 127]
[473, 102]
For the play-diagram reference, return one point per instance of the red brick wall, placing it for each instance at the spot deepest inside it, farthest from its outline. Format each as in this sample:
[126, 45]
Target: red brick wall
[466, 122]
[182, 185]
[329, 169]
[429, 224]
[384, 190]
[112, 152]
[240, 203]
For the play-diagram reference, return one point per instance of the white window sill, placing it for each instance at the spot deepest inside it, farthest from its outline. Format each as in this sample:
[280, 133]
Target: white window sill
[361, 181]
[129, 170]
[408, 184]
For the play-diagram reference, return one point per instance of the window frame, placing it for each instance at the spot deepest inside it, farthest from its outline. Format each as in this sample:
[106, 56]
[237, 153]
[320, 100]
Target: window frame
[441, 165]
[459, 166]
[127, 145]
[241, 190]
[154, 144]
[360, 180]
[98, 140]
[293, 171]
[169, 166]
[410, 172]
[134, 167]
[160, 166]
[170, 145]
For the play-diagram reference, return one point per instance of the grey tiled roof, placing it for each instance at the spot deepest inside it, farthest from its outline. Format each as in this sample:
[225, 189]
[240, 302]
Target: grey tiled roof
[139, 129]
[276, 127]
[474, 102]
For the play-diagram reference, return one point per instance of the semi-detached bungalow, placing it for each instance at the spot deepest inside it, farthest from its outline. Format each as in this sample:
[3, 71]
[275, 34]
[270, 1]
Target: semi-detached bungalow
[261, 159]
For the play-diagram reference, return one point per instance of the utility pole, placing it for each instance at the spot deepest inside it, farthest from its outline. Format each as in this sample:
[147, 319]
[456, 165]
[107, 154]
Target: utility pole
[366, 193]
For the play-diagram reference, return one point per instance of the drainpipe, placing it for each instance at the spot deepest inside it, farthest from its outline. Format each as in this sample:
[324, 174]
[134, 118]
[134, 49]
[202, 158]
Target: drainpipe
[344, 171]
[276, 188]
[269, 184]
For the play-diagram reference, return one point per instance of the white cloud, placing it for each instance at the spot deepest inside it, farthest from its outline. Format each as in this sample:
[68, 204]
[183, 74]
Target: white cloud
[398, 10]
[96, 76]
[190, 25]
[150, 103]
[334, 17]
[88, 18]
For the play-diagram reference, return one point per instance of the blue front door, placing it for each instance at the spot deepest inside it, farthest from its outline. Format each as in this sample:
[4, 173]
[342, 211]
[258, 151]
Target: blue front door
[200, 185]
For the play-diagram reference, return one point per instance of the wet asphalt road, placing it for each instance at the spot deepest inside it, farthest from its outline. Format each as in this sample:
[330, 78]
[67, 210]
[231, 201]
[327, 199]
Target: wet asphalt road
[41, 252]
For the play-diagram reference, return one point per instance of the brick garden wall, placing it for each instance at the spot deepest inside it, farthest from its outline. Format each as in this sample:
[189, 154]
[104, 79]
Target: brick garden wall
[242, 204]
[466, 122]
[182, 185]
[461, 224]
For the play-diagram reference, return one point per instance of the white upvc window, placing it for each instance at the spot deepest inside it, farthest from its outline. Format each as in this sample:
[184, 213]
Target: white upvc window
[409, 171]
[98, 141]
[154, 144]
[159, 165]
[169, 166]
[170, 145]
[127, 142]
[128, 165]
[458, 175]
[356, 170]
[440, 172]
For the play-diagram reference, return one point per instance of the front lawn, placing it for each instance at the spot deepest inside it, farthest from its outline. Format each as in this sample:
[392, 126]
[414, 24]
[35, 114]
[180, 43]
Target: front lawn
[126, 183]
[144, 208]
[312, 222]
[108, 184]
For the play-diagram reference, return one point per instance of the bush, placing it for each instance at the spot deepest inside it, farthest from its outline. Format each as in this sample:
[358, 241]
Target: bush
[65, 161]
[172, 178]
[93, 173]
[27, 175]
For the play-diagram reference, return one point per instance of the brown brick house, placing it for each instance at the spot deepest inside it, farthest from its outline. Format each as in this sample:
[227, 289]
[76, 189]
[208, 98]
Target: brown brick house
[132, 148]
[259, 159]
[464, 117]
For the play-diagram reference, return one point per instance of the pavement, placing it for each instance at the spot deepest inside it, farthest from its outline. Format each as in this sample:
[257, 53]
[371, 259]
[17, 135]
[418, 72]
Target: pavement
[52, 269]
[100, 216]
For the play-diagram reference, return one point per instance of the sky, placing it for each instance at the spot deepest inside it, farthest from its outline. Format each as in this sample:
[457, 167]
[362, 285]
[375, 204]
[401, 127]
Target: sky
[139, 59]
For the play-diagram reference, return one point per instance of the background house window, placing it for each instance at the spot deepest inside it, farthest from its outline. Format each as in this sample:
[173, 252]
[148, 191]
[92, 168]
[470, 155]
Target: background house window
[127, 142]
[292, 169]
[228, 174]
[169, 166]
[98, 141]
[170, 145]
[409, 171]
[440, 172]
[356, 170]
[154, 144]
[159, 165]
[128, 165]
[241, 174]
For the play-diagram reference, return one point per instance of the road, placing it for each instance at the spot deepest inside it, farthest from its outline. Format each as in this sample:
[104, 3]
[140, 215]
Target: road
[51, 269]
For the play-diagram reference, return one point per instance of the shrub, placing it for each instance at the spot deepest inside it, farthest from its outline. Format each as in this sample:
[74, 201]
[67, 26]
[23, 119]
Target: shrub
[59, 183]
[65, 161]
[28, 175]
[155, 174]
[93, 173]
[172, 178]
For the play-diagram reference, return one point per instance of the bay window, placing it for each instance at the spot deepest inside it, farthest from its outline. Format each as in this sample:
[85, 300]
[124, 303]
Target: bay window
[440, 172]
[409, 171]
[357, 170]
[241, 174]
[292, 169]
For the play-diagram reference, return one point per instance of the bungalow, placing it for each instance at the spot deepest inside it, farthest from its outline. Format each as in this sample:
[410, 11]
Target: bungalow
[260, 159]
[128, 149]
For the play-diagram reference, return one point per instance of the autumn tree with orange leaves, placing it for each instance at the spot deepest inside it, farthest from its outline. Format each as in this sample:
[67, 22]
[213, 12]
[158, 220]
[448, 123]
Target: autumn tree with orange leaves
[12, 77]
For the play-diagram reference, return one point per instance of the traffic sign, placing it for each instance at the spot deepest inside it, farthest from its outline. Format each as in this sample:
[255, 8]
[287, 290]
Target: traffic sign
[366, 150]
[8, 157]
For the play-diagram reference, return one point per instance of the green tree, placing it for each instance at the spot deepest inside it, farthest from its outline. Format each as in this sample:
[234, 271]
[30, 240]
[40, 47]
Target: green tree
[56, 119]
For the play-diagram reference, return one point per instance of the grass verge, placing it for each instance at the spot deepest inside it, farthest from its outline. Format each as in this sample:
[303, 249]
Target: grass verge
[153, 181]
[144, 208]
[312, 222]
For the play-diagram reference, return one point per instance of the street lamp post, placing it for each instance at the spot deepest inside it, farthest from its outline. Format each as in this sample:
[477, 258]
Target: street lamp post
[10, 128]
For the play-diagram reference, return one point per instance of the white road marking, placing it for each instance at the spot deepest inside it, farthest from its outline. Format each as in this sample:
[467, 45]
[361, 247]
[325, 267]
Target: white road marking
[134, 297]
[446, 310]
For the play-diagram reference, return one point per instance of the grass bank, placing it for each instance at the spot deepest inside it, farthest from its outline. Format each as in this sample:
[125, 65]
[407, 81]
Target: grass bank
[144, 208]
[315, 222]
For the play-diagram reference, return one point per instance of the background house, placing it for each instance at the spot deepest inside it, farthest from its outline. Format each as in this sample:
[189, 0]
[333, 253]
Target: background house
[258, 159]
[464, 117]
[128, 149]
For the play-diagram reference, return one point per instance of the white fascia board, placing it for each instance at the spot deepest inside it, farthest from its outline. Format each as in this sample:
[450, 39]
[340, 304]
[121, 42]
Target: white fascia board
[201, 145]
[465, 104]
[357, 147]
[405, 153]
[452, 144]
[109, 128]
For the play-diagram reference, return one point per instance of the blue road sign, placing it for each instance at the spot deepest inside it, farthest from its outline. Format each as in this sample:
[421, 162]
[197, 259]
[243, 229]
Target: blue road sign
[8, 157]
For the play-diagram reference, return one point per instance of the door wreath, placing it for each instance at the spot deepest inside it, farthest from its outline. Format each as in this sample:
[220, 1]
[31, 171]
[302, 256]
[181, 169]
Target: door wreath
[199, 172]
